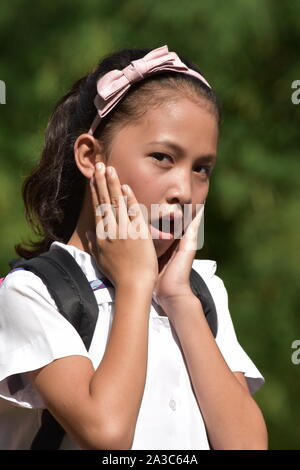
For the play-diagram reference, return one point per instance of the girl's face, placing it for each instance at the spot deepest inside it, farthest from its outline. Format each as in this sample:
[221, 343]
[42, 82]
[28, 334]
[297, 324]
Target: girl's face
[166, 158]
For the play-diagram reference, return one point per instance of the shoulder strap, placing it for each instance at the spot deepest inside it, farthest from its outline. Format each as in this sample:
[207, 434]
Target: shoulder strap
[76, 301]
[201, 290]
[69, 288]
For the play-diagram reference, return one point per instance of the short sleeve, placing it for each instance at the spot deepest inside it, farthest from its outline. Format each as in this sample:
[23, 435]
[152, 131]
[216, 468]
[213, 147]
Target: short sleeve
[32, 334]
[235, 356]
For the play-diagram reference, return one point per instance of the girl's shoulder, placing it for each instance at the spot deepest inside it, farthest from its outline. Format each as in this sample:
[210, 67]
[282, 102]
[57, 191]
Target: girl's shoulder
[32, 324]
[27, 307]
[23, 283]
[205, 267]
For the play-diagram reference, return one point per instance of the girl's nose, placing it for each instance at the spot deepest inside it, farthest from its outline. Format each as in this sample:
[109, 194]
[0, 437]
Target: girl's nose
[180, 189]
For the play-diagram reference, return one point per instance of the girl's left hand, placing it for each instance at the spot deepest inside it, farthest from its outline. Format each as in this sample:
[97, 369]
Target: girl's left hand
[175, 266]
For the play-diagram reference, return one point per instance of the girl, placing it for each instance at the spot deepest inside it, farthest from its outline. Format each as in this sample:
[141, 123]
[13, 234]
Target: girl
[154, 376]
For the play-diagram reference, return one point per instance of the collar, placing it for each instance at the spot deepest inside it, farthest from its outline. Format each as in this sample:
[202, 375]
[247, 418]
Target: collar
[205, 267]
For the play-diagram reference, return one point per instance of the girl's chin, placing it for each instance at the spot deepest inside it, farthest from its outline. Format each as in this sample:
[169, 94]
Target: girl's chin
[161, 246]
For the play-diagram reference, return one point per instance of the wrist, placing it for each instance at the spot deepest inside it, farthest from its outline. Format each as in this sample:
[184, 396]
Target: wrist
[181, 295]
[135, 285]
[180, 303]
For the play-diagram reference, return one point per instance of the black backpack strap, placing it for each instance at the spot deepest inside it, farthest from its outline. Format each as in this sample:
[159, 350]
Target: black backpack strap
[69, 288]
[201, 290]
[76, 301]
[50, 434]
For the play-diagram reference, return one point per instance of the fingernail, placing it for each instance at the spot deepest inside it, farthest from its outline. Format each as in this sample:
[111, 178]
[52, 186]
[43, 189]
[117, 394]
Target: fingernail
[110, 171]
[99, 166]
[125, 188]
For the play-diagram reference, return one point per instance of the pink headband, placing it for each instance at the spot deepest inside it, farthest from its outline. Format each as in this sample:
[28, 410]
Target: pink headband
[112, 86]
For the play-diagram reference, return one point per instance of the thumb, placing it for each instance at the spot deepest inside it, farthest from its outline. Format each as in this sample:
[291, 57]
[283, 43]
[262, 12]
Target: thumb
[192, 239]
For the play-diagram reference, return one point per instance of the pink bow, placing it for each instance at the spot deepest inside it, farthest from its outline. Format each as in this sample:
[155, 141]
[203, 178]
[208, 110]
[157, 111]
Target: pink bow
[113, 85]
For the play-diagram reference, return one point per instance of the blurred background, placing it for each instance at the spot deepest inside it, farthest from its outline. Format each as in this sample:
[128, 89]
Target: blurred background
[249, 51]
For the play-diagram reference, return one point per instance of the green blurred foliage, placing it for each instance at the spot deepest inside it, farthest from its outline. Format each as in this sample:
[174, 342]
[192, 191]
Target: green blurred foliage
[249, 51]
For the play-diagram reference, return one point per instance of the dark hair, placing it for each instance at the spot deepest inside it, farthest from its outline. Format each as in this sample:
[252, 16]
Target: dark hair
[53, 193]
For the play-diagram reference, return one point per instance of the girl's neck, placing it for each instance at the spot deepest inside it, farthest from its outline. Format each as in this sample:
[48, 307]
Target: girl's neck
[85, 223]
[77, 241]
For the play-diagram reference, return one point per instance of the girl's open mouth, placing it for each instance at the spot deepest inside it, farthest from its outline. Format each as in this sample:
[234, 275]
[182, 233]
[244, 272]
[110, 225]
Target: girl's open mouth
[164, 229]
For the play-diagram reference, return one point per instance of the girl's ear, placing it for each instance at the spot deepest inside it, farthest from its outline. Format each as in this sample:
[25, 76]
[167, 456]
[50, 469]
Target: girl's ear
[87, 152]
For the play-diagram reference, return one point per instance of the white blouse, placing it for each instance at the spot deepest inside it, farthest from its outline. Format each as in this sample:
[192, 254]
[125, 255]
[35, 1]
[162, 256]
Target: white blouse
[33, 333]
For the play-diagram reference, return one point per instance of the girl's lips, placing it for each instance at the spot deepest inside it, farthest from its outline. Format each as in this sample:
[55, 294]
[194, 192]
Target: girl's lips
[170, 226]
[157, 234]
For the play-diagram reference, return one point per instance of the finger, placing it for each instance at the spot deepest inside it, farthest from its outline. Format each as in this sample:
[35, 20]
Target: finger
[100, 184]
[134, 209]
[103, 209]
[190, 239]
[137, 214]
[119, 206]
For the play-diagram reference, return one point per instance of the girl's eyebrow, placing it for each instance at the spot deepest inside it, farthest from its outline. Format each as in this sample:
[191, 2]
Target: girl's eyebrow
[180, 151]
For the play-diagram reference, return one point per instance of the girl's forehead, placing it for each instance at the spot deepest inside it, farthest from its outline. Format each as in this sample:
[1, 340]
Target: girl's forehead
[181, 121]
[177, 111]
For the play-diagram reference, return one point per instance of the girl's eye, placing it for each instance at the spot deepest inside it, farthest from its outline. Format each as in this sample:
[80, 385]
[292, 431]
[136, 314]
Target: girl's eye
[206, 170]
[202, 170]
[160, 156]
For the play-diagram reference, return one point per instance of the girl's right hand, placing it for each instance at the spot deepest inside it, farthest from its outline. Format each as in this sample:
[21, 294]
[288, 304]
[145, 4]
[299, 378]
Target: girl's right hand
[122, 260]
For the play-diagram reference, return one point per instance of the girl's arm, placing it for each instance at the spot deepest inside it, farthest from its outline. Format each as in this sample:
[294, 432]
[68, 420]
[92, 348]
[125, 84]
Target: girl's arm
[100, 408]
[232, 418]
